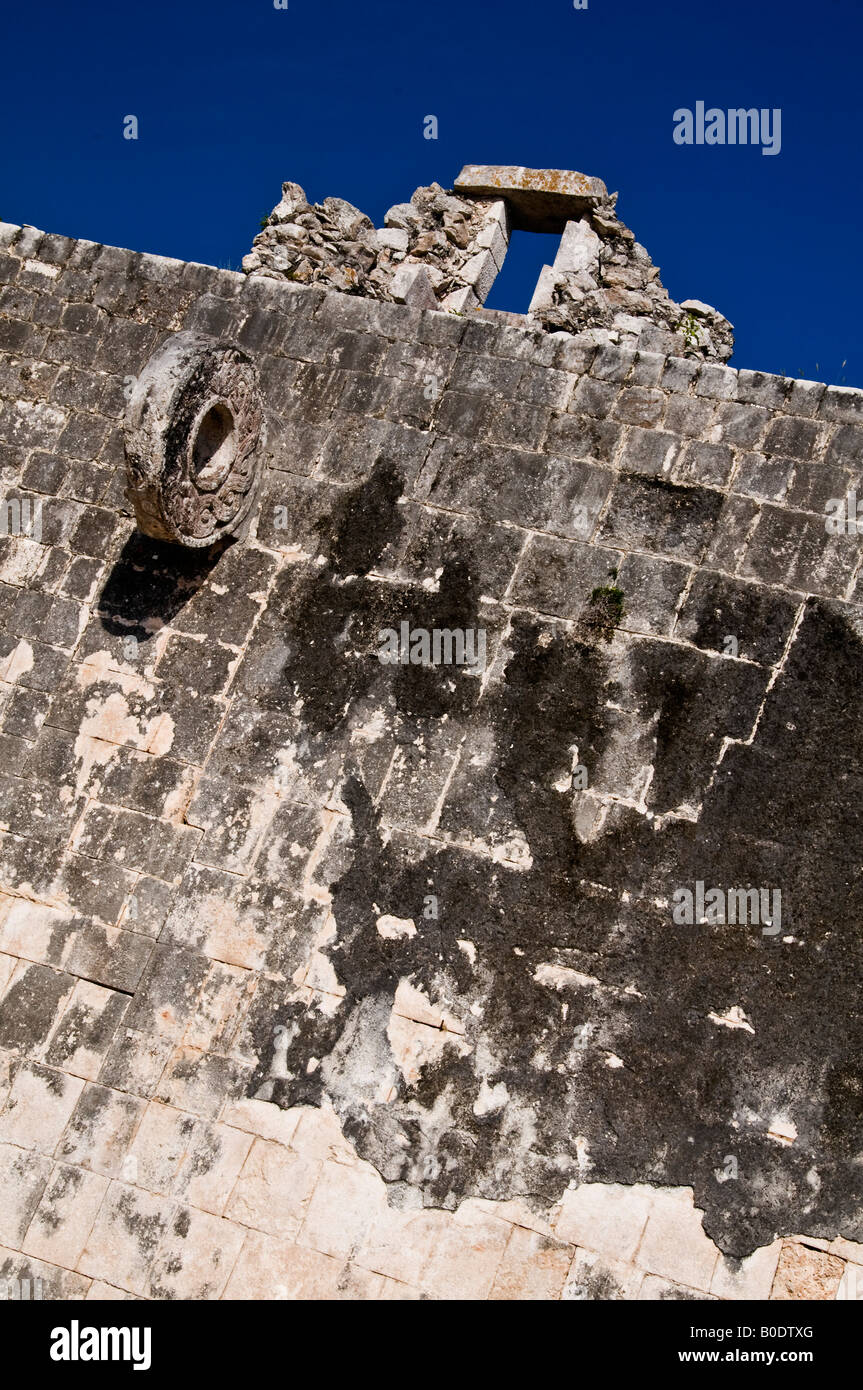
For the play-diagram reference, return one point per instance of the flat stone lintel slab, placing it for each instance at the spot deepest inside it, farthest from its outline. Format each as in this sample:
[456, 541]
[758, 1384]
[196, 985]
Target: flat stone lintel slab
[540, 200]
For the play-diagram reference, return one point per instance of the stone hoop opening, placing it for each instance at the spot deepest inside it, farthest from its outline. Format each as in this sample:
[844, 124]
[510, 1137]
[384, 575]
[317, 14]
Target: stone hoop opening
[214, 447]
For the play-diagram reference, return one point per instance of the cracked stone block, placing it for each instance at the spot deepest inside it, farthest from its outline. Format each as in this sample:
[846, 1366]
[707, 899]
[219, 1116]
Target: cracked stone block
[100, 1292]
[38, 1107]
[167, 996]
[846, 447]
[579, 250]
[341, 1210]
[655, 1289]
[220, 1005]
[262, 1119]
[200, 1082]
[86, 1029]
[533, 1267]
[100, 1130]
[806, 1274]
[558, 577]
[22, 1180]
[847, 1250]
[543, 294]
[607, 1219]
[31, 1002]
[592, 398]
[794, 549]
[749, 1278]
[400, 1244]
[689, 417]
[764, 478]
[135, 1062]
[593, 1276]
[710, 464]
[159, 1148]
[195, 1257]
[212, 1166]
[655, 515]
[480, 273]
[674, 1245]
[495, 231]
[460, 301]
[411, 285]
[466, 1259]
[271, 1269]
[125, 1237]
[741, 425]
[246, 923]
[273, 1190]
[56, 1284]
[758, 620]
[814, 484]
[652, 590]
[132, 840]
[234, 820]
[639, 406]
[580, 438]
[851, 1284]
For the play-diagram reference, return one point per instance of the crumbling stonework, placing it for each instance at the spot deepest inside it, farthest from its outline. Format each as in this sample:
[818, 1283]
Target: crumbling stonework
[438, 250]
[328, 976]
[444, 249]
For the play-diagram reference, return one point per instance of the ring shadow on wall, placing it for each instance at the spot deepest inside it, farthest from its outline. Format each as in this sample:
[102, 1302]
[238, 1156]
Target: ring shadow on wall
[149, 584]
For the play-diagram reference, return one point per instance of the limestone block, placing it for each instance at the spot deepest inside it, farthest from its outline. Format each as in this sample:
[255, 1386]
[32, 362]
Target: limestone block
[540, 200]
[674, 1245]
[402, 215]
[22, 1179]
[749, 1278]
[806, 1274]
[495, 231]
[66, 1212]
[594, 1276]
[579, 249]
[480, 273]
[411, 285]
[606, 1218]
[543, 295]
[460, 301]
[396, 238]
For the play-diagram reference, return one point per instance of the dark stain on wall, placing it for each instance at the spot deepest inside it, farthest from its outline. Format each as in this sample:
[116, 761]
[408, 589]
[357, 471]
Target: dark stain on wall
[621, 1063]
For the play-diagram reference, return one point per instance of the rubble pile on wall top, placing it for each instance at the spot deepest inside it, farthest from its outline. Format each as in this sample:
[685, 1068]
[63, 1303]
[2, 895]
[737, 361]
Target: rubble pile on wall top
[444, 249]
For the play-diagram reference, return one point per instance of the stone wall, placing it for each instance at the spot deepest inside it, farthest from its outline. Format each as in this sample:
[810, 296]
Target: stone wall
[325, 977]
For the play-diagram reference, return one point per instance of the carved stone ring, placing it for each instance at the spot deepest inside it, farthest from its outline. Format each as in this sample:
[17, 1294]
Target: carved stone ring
[194, 437]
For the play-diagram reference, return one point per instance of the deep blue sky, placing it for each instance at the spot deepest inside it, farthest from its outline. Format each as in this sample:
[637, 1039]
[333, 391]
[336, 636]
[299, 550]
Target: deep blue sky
[234, 96]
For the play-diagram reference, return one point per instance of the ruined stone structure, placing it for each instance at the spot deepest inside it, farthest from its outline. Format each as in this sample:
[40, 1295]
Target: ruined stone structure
[332, 969]
[444, 250]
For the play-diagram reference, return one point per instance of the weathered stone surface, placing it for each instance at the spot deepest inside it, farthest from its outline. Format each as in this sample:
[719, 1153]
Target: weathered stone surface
[312, 965]
[803, 1273]
[541, 200]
